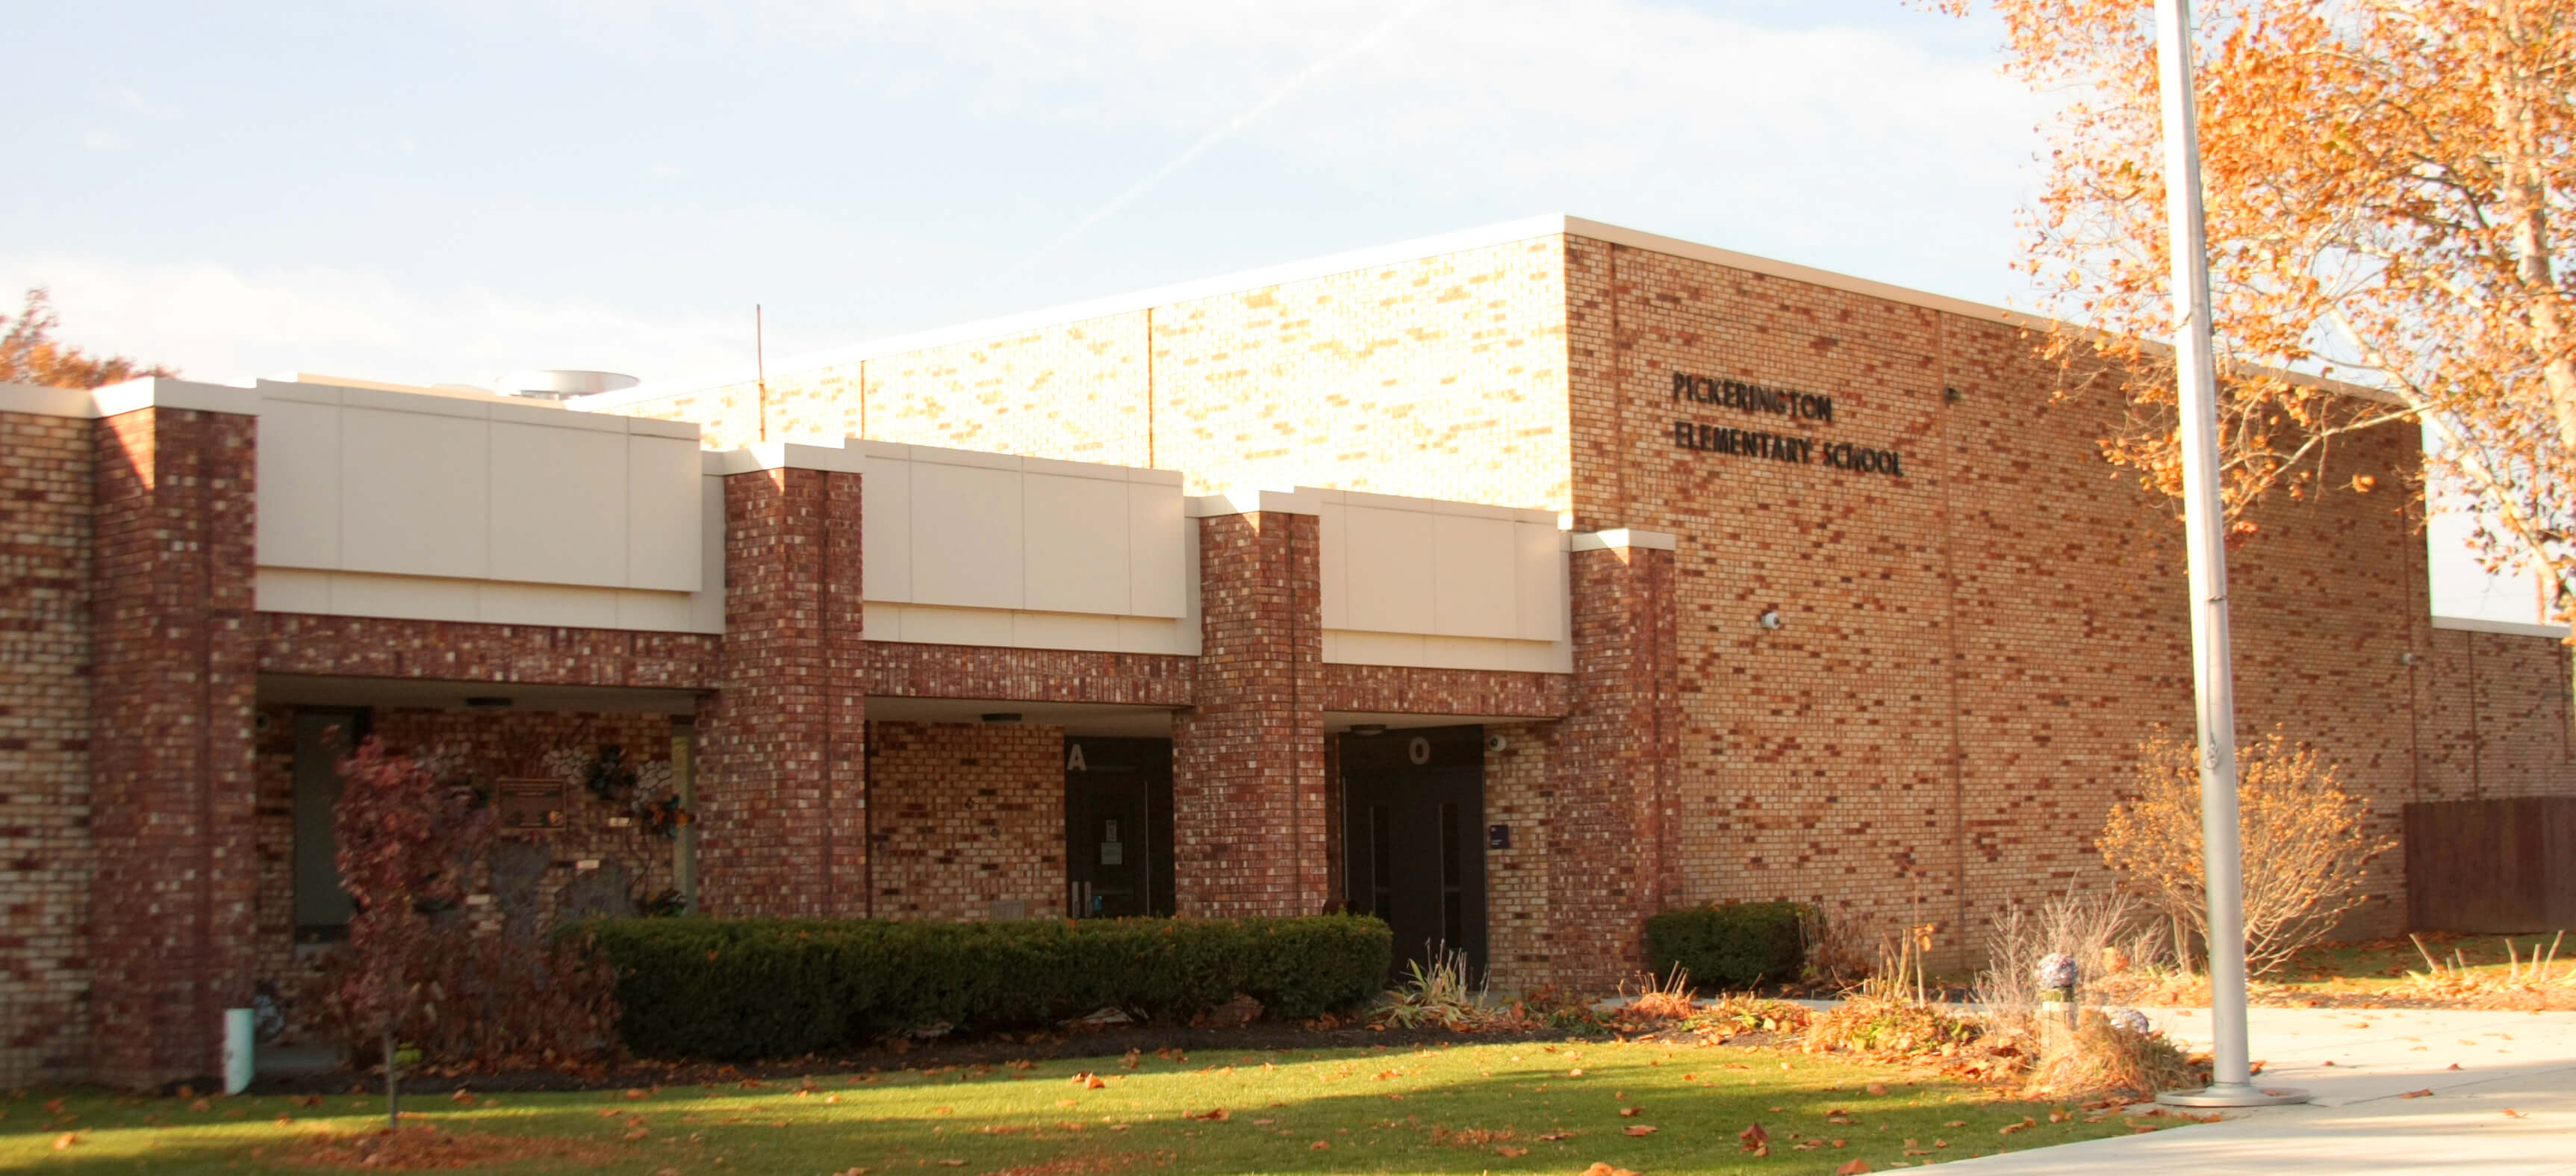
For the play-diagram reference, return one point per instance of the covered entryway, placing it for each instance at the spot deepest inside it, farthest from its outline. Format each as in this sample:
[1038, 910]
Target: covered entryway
[1117, 827]
[1413, 846]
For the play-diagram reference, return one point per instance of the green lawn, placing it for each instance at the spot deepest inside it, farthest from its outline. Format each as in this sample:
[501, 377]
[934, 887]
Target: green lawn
[1469, 1109]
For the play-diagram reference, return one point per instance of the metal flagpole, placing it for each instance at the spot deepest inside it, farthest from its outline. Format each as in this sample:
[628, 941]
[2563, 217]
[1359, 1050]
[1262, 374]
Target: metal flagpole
[2204, 530]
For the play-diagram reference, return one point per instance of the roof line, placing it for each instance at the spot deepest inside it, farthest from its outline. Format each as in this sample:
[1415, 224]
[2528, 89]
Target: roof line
[1505, 232]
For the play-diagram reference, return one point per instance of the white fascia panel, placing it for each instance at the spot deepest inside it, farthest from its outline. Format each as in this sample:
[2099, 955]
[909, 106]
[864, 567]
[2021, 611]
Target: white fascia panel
[415, 493]
[1074, 544]
[1158, 571]
[1333, 564]
[1389, 564]
[1539, 578]
[299, 485]
[885, 532]
[707, 604]
[558, 505]
[1473, 588]
[663, 498]
[967, 536]
[291, 590]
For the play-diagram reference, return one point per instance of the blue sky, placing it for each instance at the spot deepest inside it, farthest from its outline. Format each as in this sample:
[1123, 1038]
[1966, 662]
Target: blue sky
[447, 191]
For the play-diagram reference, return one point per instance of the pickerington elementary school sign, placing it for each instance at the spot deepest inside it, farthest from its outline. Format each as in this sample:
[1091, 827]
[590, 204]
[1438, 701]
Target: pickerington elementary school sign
[1702, 437]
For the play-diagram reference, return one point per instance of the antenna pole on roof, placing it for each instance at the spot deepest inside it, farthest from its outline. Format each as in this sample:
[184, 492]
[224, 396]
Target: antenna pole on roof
[760, 369]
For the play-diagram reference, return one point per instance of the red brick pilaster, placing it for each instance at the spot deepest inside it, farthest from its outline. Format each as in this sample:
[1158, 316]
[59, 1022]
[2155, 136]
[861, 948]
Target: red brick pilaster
[783, 799]
[1248, 760]
[173, 680]
[1609, 840]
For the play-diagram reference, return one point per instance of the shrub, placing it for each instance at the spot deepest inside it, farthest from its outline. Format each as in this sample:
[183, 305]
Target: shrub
[1730, 946]
[2306, 847]
[755, 988]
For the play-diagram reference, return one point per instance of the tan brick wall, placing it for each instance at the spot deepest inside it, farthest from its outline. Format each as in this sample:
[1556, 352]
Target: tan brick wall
[45, 735]
[1971, 651]
[1442, 377]
[962, 817]
[1075, 391]
[1459, 358]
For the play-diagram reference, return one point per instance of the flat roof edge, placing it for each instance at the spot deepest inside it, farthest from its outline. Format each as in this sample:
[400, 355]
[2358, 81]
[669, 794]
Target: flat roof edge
[1416, 249]
[2508, 628]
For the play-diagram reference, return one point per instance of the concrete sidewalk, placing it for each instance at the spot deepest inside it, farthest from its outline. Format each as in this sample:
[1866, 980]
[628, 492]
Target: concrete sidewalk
[2358, 1065]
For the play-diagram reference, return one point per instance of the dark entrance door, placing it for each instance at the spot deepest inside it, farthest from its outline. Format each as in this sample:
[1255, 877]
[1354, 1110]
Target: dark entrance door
[1413, 849]
[1117, 827]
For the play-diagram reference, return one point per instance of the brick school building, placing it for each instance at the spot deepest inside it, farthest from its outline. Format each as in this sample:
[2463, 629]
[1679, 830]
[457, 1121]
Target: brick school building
[1513, 585]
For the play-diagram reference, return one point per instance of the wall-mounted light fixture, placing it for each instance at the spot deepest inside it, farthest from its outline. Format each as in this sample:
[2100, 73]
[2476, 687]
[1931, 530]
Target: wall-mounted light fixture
[1368, 729]
[1770, 618]
[2406, 659]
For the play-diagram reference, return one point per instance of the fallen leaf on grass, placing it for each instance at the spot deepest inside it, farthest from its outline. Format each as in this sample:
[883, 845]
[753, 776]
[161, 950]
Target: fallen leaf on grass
[2426, 1093]
[65, 1140]
[201, 1105]
[2026, 1124]
[1854, 1168]
[1601, 1169]
[1878, 1088]
[2059, 1114]
[1956, 1123]
[1629, 1112]
[636, 1134]
[1319, 1145]
[1509, 1150]
[637, 1092]
[1553, 1136]
[1754, 1139]
[952, 1163]
[1216, 1115]
[1640, 1129]
[1089, 1081]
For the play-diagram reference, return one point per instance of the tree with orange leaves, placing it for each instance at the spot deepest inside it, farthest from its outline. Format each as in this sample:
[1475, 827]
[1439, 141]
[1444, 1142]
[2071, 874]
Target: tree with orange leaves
[2389, 185]
[29, 355]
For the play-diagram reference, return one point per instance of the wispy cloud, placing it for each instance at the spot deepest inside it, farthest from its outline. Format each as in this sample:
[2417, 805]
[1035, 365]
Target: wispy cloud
[216, 323]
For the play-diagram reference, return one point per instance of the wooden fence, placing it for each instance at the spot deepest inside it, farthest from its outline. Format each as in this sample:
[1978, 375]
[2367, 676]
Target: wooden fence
[2492, 866]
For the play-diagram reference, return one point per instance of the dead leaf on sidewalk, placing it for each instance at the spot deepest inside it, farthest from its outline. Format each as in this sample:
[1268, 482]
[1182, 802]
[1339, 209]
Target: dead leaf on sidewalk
[2417, 1094]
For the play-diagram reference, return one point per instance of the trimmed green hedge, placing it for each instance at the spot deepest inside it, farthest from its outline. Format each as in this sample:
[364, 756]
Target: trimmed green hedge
[1730, 947]
[765, 988]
